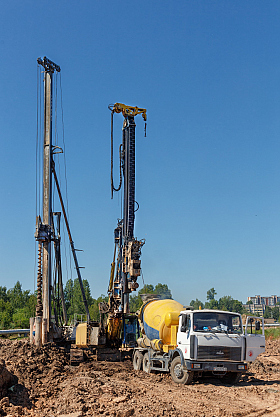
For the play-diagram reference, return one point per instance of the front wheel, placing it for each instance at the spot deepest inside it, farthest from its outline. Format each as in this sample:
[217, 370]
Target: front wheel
[137, 360]
[178, 373]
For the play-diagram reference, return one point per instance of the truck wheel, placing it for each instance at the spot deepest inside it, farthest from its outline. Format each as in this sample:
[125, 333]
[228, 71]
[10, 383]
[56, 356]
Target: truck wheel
[232, 377]
[179, 375]
[146, 363]
[137, 360]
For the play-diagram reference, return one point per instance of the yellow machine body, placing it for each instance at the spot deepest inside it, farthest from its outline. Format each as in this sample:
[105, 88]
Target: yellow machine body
[82, 334]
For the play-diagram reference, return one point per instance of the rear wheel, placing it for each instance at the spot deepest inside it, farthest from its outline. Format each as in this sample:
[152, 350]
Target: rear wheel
[138, 360]
[146, 363]
[232, 377]
[178, 373]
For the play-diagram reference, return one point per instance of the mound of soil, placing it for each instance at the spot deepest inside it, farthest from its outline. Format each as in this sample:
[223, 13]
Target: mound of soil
[7, 379]
[48, 386]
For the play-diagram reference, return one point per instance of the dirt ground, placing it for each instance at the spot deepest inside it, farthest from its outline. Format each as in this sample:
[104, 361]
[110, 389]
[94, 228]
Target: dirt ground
[48, 386]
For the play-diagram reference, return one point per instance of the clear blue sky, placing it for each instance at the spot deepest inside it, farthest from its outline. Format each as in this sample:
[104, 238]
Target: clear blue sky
[208, 173]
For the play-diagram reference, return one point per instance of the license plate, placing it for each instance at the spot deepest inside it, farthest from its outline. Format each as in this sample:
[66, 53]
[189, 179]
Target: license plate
[220, 368]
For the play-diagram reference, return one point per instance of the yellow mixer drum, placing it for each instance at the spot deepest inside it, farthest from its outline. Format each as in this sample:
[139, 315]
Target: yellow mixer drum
[157, 317]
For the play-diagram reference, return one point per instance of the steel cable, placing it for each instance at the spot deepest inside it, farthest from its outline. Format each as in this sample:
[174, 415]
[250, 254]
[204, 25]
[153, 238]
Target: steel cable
[112, 158]
[68, 262]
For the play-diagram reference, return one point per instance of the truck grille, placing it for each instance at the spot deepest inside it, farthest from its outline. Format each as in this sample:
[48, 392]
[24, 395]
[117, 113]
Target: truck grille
[219, 353]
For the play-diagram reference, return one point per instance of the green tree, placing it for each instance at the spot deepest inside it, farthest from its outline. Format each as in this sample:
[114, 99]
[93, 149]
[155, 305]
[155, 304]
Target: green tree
[163, 291]
[196, 304]
[3, 294]
[17, 297]
[6, 314]
[74, 299]
[212, 304]
[30, 305]
[94, 308]
[225, 303]
[68, 293]
[267, 312]
[275, 313]
[147, 289]
[237, 307]
[20, 319]
[211, 294]
[135, 301]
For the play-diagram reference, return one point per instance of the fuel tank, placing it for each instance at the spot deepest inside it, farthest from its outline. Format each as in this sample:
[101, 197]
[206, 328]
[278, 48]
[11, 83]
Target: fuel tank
[157, 317]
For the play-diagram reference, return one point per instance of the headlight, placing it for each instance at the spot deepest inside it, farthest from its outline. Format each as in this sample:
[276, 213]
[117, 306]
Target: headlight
[196, 365]
[241, 367]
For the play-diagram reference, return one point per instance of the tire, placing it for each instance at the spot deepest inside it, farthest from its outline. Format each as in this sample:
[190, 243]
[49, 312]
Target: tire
[138, 360]
[146, 363]
[232, 377]
[179, 375]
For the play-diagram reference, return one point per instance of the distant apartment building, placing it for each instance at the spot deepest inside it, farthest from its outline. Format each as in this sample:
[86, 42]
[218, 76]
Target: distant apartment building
[255, 309]
[259, 303]
[266, 301]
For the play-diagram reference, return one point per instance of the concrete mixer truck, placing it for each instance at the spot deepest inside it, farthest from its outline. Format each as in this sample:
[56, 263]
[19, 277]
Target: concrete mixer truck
[193, 343]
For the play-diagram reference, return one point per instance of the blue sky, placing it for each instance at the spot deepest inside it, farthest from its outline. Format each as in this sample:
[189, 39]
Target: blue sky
[208, 172]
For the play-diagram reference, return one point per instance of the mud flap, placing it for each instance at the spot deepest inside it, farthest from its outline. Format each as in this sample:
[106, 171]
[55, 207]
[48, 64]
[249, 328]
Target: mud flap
[180, 354]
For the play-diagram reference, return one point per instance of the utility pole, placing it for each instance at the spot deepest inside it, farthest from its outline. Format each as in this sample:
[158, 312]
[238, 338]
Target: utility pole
[47, 226]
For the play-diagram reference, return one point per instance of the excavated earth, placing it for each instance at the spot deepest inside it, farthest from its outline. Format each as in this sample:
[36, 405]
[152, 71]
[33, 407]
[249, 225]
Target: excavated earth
[40, 382]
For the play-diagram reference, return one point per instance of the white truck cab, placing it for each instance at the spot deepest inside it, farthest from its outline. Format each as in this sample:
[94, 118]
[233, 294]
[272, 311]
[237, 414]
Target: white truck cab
[214, 341]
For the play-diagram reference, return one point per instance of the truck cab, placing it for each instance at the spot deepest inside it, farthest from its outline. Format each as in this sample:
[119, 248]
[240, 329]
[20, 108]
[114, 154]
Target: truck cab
[214, 341]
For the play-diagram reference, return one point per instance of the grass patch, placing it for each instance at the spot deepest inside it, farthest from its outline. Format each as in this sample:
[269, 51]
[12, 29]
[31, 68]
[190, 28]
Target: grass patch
[272, 333]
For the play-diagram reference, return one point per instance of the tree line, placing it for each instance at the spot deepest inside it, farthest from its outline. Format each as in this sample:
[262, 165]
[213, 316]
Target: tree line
[226, 303]
[17, 305]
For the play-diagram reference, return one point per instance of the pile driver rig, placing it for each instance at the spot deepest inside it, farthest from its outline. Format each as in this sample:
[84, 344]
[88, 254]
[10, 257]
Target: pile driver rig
[51, 317]
[117, 327]
[126, 265]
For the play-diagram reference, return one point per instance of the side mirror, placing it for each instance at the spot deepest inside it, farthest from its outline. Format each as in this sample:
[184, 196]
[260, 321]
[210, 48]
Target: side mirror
[257, 325]
[183, 329]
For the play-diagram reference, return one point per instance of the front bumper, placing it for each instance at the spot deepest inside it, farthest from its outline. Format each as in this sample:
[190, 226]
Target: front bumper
[215, 366]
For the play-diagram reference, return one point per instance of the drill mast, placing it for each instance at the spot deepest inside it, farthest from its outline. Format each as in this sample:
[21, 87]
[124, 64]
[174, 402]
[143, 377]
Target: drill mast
[50, 295]
[128, 266]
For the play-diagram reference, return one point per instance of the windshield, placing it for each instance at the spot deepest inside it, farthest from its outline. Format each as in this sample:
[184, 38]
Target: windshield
[217, 323]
